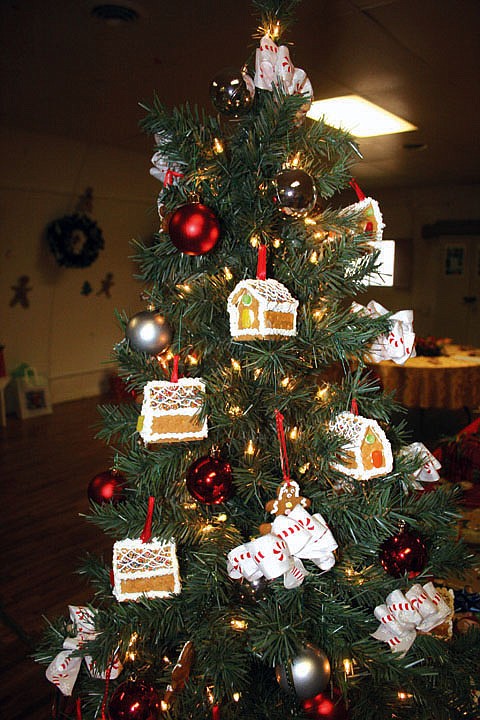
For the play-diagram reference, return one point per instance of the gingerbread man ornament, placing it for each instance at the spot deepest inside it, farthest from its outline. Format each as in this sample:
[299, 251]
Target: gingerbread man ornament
[288, 496]
[180, 673]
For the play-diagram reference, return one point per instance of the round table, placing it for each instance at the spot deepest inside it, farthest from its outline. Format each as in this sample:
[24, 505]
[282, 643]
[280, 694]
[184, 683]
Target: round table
[450, 382]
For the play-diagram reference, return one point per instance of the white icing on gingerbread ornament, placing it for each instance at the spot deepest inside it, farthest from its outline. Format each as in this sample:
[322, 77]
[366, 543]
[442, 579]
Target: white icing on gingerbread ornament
[366, 453]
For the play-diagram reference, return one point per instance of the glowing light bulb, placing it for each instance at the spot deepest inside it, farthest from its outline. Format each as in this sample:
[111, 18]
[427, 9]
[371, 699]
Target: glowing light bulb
[192, 359]
[250, 449]
[228, 274]
[322, 393]
[285, 382]
[295, 161]
[131, 654]
[310, 221]
[293, 434]
[236, 696]
[318, 314]
[276, 243]
[347, 666]
[314, 258]
[235, 411]
[190, 505]
[254, 241]
[222, 517]
[236, 365]
[217, 146]
[237, 624]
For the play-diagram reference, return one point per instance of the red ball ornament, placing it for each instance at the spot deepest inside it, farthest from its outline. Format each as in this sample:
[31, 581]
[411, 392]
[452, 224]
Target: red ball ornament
[326, 706]
[194, 229]
[403, 553]
[210, 480]
[107, 486]
[134, 700]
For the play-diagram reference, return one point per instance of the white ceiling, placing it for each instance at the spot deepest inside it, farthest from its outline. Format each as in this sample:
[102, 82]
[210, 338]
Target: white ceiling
[68, 73]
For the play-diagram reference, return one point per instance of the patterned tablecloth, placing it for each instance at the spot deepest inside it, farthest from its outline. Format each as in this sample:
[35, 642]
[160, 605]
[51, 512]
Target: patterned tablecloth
[449, 382]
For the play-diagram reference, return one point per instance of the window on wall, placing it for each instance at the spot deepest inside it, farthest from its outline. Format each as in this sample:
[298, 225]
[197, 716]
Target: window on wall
[385, 275]
[394, 264]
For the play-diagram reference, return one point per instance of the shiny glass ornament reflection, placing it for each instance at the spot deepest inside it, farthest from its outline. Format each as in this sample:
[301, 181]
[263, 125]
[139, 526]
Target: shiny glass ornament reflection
[295, 192]
[232, 93]
[307, 674]
[148, 331]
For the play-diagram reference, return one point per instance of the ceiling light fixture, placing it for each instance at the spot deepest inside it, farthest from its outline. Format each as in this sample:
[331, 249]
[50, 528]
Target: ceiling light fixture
[115, 13]
[358, 116]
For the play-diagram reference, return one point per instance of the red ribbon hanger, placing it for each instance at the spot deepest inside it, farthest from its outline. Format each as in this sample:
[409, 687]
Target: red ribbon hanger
[169, 177]
[174, 376]
[147, 529]
[262, 262]
[360, 194]
[283, 446]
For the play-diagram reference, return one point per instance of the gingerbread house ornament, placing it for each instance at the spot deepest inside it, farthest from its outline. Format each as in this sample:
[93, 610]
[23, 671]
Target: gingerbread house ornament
[145, 569]
[367, 453]
[171, 411]
[370, 217]
[262, 310]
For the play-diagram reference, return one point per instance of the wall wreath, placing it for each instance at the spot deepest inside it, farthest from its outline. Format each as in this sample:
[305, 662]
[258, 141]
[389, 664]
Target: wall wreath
[75, 240]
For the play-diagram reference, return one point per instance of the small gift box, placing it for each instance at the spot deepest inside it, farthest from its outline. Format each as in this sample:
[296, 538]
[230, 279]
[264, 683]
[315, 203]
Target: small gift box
[32, 392]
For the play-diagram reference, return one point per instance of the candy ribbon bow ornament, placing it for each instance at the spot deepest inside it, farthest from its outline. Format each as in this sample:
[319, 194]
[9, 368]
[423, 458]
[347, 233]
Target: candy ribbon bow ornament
[63, 670]
[428, 472]
[280, 552]
[421, 609]
[294, 535]
[274, 67]
[162, 169]
[398, 345]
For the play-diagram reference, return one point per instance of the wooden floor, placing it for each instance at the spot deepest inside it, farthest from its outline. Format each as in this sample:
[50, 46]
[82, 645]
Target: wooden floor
[46, 464]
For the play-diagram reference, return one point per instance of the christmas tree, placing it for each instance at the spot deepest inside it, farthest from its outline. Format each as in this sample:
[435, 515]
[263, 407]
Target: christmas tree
[274, 553]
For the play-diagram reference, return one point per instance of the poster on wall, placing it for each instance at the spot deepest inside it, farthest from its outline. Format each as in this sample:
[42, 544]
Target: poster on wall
[454, 260]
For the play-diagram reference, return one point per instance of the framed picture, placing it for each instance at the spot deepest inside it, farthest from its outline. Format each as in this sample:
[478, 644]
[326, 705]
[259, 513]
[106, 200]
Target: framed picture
[454, 260]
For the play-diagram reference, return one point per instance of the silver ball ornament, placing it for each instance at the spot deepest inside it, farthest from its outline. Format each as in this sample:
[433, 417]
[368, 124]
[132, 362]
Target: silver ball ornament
[148, 331]
[307, 674]
[295, 192]
[232, 93]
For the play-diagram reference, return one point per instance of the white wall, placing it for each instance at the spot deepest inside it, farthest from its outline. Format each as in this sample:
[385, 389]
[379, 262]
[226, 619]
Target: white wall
[65, 335]
[68, 336]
